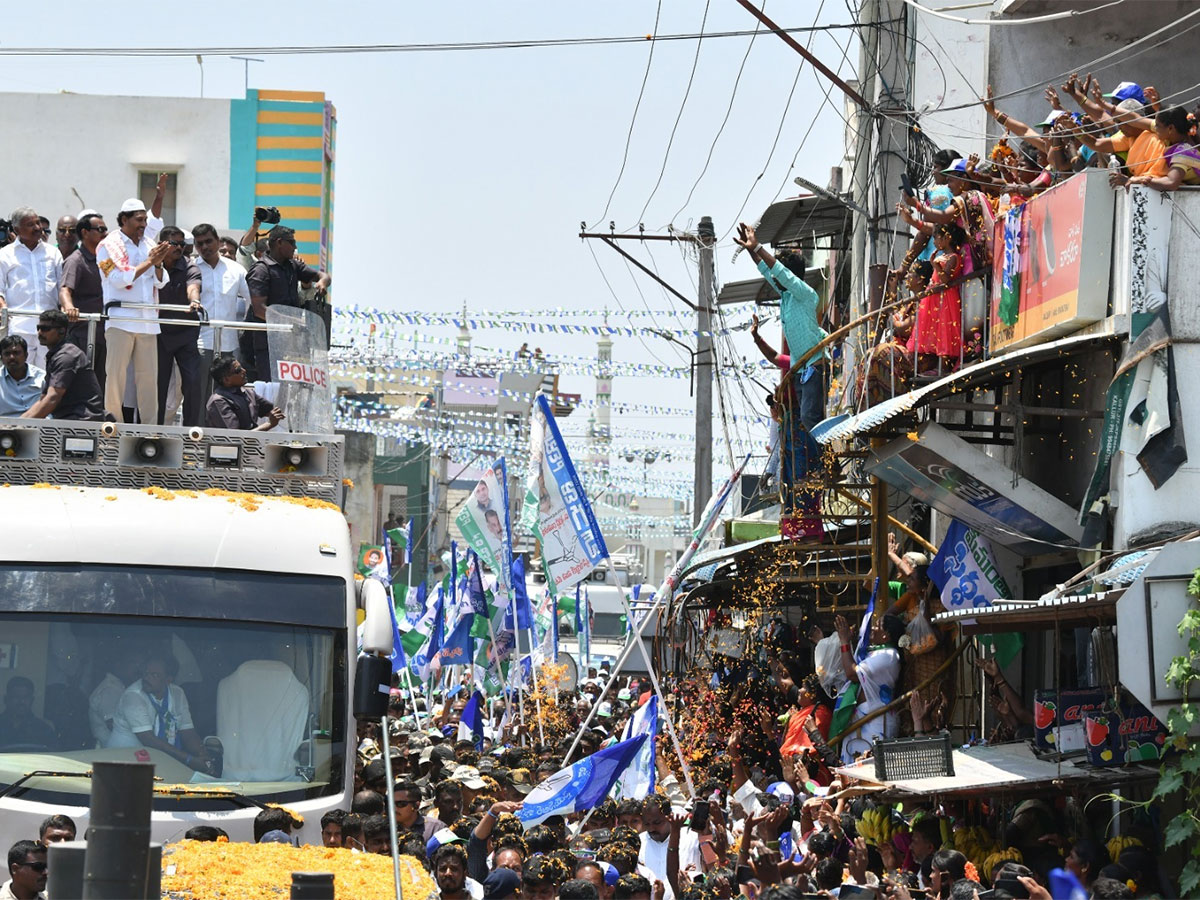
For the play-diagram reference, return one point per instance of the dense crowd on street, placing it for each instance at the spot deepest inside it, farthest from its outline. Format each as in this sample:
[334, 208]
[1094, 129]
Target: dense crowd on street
[93, 332]
[771, 817]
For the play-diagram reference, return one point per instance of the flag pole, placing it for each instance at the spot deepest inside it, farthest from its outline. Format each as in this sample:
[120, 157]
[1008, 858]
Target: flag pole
[537, 699]
[391, 799]
[412, 696]
[520, 677]
[667, 589]
[662, 700]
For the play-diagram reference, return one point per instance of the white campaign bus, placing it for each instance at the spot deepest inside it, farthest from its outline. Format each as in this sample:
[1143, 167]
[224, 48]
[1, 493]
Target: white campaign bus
[113, 553]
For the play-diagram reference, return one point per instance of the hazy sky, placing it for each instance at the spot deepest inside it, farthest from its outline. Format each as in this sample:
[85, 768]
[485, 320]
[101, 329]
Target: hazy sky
[463, 176]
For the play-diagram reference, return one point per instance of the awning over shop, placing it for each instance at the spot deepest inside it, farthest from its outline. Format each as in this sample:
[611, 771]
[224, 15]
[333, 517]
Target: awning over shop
[1075, 610]
[752, 290]
[839, 428]
[724, 554]
[1000, 768]
[799, 219]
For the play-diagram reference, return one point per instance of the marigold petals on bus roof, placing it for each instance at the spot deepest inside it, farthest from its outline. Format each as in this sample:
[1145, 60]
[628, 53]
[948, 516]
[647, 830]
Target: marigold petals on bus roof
[201, 870]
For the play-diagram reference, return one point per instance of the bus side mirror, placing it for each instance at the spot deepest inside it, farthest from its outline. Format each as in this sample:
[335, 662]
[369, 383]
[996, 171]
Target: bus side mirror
[377, 625]
[373, 672]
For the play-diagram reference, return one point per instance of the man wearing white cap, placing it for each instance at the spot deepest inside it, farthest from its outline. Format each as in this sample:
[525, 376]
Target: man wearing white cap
[132, 270]
[30, 276]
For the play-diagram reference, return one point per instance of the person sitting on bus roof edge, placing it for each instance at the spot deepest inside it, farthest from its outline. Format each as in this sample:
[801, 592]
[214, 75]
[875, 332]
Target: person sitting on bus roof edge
[26, 872]
[19, 727]
[71, 390]
[20, 381]
[56, 829]
[235, 405]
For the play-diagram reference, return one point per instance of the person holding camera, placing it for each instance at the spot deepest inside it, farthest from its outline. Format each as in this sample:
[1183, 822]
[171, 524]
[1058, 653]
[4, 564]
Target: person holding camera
[276, 279]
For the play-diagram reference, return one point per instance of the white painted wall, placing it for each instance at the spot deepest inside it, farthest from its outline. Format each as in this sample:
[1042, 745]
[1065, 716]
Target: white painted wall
[950, 65]
[96, 145]
[1025, 55]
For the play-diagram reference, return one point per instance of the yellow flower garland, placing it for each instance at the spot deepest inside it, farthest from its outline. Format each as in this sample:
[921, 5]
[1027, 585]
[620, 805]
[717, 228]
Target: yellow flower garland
[201, 870]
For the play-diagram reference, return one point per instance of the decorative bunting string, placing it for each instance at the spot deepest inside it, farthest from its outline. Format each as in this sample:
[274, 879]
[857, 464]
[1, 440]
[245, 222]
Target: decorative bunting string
[475, 323]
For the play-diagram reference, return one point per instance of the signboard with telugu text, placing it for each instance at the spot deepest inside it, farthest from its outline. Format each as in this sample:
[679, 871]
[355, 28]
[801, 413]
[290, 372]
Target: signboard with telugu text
[1065, 250]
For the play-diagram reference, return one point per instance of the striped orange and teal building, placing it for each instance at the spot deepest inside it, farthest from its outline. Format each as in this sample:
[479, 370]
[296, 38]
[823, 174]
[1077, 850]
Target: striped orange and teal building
[282, 150]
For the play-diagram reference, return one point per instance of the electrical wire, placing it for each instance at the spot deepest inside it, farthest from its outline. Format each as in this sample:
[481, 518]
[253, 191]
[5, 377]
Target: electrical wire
[617, 299]
[632, 121]
[638, 288]
[1118, 56]
[721, 129]
[435, 47]
[679, 116]
[775, 143]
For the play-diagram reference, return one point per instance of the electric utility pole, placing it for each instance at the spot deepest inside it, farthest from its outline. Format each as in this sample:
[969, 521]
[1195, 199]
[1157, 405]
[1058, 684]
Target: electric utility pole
[707, 237]
[702, 358]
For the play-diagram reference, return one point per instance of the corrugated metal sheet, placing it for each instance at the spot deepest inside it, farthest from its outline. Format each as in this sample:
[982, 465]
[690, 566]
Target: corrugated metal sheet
[877, 415]
[1003, 607]
[802, 218]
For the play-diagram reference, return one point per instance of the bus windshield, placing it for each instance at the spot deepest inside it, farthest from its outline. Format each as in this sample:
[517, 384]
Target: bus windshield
[225, 680]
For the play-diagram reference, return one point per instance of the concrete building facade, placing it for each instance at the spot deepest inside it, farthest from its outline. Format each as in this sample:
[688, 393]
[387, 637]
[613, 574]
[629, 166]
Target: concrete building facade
[223, 157]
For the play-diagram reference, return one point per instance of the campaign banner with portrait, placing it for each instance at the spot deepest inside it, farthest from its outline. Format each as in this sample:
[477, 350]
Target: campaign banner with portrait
[556, 509]
[484, 523]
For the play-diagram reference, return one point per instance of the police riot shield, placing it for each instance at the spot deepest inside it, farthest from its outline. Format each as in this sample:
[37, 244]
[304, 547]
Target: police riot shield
[300, 366]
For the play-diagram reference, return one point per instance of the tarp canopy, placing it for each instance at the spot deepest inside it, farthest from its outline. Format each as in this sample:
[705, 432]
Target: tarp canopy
[998, 768]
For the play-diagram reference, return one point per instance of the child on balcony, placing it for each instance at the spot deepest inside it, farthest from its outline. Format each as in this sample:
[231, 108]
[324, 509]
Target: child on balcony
[938, 331]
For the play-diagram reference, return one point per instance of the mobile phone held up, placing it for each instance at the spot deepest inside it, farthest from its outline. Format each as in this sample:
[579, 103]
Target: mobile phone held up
[906, 185]
[700, 815]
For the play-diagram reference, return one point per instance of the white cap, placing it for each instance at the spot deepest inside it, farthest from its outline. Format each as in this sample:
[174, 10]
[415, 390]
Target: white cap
[133, 204]
[187, 237]
[86, 212]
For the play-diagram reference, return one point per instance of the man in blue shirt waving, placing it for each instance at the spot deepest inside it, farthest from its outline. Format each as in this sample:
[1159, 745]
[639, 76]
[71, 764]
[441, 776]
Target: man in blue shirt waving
[800, 310]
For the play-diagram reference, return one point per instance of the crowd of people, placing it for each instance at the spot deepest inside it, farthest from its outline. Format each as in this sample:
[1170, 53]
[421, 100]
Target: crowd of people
[761, 810]
[88, 337]
[1130, 131]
